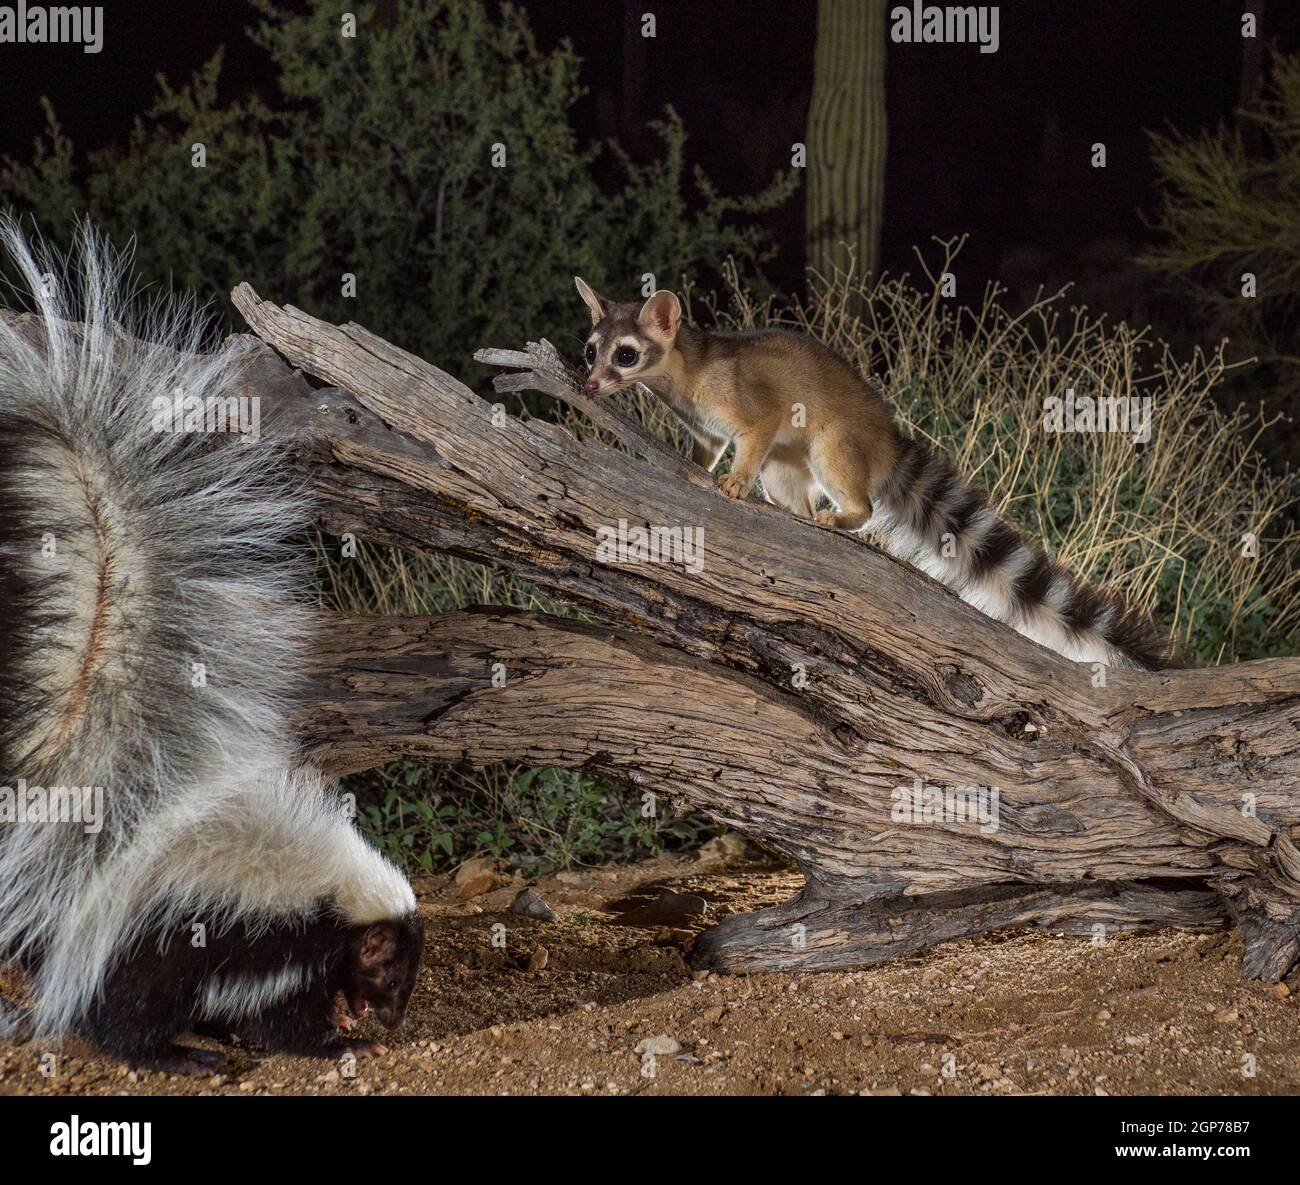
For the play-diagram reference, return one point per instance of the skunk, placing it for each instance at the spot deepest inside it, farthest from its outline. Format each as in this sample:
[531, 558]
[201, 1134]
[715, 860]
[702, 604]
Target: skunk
[166, 861]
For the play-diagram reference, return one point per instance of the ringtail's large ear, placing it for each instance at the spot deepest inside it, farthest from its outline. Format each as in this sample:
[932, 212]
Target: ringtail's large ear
[661, 315]
[598, 305]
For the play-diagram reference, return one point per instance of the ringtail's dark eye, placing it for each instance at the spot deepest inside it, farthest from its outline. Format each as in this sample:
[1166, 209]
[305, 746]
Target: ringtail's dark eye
[626, 356]
[590, 355]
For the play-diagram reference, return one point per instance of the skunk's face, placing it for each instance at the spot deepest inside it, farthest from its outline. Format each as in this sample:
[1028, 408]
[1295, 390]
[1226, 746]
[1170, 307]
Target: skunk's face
[382, 968]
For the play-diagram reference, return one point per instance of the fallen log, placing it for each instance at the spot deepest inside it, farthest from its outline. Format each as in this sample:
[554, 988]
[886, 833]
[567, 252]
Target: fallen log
[794, 683]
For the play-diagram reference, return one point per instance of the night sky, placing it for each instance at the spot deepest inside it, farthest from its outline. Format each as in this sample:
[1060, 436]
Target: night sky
[992, 144]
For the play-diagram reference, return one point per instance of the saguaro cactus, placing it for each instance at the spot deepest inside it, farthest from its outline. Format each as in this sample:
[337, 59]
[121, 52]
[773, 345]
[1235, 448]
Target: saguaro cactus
[846, 135]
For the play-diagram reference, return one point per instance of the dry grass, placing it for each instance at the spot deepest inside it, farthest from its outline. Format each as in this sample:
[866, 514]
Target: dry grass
[385, 581]
[1163, 522]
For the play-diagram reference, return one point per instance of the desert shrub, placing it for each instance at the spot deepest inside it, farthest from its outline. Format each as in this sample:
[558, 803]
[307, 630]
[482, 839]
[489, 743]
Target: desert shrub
[376, 157]
[1227, 210]
[384, 581]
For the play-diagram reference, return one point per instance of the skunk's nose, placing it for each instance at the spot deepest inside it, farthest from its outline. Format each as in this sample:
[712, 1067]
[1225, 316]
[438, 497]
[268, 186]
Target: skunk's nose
[591, 386]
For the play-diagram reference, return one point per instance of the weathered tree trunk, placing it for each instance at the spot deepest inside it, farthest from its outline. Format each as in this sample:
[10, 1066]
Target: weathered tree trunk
[846, 136]
[788, 687]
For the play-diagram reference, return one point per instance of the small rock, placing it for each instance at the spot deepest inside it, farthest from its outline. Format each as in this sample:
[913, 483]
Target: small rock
[476, 886]
[1281, 991]
[1104, 1014]
[247, 1086]
[668, 937]
[660, 1046]
[1226, 1016]
[529, 903]
[473, 868]
[729, 846]
[538, 960]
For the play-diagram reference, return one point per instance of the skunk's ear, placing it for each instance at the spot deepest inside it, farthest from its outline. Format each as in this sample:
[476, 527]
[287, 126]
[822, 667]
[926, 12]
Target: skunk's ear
[598, 305]
[661, 315]
[378, 945]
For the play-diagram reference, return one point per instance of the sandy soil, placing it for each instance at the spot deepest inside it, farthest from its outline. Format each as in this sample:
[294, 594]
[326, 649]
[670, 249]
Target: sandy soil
[563, 1007]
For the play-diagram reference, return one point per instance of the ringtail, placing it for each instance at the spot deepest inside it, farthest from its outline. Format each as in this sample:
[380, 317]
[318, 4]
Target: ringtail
[804, 424]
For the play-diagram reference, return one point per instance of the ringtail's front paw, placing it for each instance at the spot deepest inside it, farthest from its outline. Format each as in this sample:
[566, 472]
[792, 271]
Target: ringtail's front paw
[735, 485]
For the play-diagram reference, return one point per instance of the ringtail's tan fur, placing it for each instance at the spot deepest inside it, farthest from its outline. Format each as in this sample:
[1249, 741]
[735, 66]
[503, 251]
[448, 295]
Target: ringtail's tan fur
[806, 424]
[800, 418]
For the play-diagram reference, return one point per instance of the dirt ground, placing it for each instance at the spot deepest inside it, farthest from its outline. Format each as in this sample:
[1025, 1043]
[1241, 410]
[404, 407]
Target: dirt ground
[564, 1005]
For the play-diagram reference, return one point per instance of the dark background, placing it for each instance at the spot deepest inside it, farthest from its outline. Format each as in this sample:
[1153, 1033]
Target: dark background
[996, 145]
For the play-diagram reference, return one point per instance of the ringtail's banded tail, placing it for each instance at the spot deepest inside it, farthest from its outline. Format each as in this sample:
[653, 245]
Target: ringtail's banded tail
[806, 424]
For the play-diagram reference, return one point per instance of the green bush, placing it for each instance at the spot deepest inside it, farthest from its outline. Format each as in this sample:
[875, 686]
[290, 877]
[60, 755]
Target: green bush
[533, 820]
[1227, 211]
[374, 157]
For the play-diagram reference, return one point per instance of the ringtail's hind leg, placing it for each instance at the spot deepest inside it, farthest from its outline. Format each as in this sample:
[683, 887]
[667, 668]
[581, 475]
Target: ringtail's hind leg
[790, 486]
[847, 469]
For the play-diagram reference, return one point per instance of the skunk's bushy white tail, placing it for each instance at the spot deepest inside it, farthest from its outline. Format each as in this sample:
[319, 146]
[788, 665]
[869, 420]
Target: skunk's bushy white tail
[153, 633]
